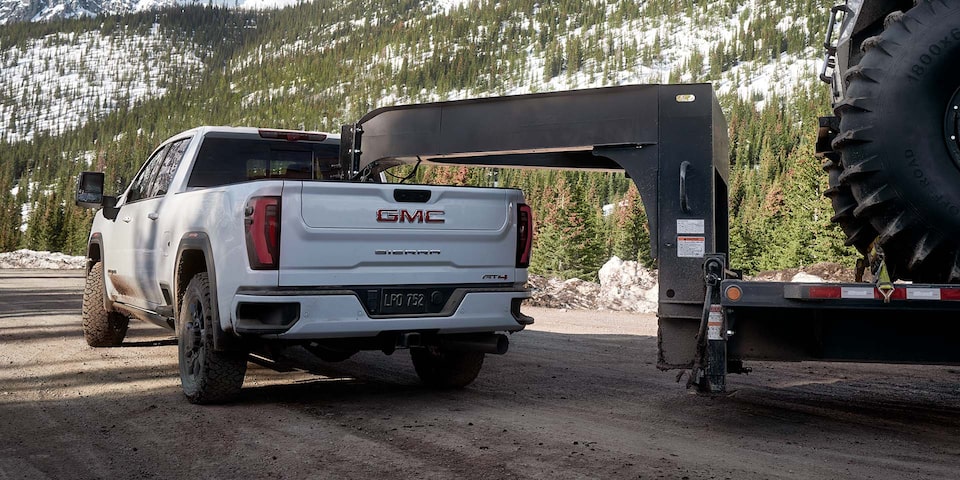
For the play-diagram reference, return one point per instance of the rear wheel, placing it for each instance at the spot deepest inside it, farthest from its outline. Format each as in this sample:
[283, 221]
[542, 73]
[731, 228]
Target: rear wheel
[446, 369]
[101, 328]
[206, 375]
[899, 141]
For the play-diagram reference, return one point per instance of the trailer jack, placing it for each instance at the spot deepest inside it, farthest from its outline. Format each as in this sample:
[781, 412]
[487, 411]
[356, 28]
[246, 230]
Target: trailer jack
[709, 372]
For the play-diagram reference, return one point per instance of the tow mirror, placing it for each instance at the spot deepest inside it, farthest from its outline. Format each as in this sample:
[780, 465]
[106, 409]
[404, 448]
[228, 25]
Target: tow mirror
[90, 189]
[90, 194]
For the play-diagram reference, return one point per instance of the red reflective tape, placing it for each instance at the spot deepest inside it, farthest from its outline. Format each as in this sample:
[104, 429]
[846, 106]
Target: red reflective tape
[950, 294]
[825, 292]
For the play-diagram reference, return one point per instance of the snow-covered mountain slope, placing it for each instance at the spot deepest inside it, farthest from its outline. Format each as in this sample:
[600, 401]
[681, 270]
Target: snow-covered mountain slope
[12, 11]
[61, 81]
[707, 45]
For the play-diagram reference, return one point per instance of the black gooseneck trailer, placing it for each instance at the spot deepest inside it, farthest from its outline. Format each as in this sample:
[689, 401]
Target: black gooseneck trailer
[672, 141]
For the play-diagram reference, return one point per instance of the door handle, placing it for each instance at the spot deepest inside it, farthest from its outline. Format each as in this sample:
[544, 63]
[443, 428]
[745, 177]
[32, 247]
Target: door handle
[684, 204]
[153, 215]
[127, 219]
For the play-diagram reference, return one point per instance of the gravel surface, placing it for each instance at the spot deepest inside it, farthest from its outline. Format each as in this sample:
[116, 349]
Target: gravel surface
[577, 396]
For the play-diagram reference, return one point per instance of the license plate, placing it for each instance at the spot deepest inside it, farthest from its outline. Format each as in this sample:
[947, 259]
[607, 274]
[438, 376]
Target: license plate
[403, 301]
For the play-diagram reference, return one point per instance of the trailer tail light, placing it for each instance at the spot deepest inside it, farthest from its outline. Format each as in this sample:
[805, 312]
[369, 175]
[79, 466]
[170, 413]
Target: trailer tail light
[734, 293]
[262, 225]
[524, 235]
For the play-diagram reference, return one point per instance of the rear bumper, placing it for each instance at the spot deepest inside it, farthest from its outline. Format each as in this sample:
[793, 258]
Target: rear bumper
[310, 315]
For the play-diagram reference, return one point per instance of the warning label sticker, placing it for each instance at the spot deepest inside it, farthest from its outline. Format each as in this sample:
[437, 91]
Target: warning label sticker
[689, 225]
[691, 247]
[715, 323]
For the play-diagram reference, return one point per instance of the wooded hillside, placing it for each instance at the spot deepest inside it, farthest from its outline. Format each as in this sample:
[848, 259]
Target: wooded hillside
[319, 65]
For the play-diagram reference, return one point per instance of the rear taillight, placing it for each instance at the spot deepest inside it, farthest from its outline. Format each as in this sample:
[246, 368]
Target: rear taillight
[262, 223]
[524, 235]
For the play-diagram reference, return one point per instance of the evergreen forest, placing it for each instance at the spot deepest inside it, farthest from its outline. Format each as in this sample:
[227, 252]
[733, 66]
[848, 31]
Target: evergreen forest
[319, 65]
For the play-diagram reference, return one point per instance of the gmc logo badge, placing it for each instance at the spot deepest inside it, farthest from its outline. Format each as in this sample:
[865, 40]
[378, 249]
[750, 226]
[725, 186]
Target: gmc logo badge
[410, 216]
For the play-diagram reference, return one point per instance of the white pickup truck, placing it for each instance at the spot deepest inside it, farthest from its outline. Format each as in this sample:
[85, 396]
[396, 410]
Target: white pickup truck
[247, 240]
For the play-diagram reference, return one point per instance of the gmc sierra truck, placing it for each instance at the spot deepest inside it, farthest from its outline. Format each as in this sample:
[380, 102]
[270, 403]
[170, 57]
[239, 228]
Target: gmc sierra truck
[248, 241]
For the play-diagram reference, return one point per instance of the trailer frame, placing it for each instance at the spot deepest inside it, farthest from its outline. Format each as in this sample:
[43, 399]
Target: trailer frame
[671, 140]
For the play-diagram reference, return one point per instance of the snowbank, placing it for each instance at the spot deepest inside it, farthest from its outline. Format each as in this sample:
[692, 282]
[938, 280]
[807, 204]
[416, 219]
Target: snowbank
[624, 286]
[41, 260]
[628, 286]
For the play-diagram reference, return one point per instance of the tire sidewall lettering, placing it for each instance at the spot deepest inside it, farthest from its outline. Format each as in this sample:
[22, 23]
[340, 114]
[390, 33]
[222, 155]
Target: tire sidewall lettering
[924, 184]
[933, 50]
[916, 168]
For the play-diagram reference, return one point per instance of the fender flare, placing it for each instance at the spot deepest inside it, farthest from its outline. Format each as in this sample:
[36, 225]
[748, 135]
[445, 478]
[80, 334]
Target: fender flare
[222, 340]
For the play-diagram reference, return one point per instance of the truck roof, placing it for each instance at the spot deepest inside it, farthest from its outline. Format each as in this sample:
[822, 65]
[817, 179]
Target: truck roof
[272, 133]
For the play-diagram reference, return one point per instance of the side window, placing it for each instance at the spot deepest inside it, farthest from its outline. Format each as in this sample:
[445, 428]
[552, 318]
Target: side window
[141, 184]
[168, 168]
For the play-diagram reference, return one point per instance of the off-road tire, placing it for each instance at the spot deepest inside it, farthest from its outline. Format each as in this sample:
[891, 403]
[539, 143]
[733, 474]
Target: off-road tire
[446, 369]
[860, 234]
[101, 327]
[206, 375]
[895, 151]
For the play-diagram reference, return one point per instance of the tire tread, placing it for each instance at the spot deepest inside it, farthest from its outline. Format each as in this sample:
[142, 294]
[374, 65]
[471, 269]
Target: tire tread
[101, 328]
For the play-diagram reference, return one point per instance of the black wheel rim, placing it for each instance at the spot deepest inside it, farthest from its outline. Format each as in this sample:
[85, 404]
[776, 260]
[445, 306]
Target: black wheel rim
[193, 340]
[951, 127]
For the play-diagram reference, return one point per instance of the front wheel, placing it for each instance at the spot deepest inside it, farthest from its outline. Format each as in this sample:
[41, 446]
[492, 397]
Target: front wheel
[446, 369]
[206, 375]
[101, 328]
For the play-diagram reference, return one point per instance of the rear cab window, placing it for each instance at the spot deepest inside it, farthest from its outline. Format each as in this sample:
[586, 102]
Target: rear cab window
[228, 159]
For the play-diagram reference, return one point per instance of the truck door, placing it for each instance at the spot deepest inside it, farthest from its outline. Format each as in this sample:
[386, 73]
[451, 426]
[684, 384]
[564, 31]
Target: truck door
[139, 226]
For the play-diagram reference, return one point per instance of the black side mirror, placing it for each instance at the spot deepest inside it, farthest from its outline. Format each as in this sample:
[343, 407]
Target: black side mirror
[90, 189]
[90, 194]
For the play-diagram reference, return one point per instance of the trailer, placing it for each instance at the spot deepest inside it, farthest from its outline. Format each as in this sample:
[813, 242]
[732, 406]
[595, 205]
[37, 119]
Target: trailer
[671, 140]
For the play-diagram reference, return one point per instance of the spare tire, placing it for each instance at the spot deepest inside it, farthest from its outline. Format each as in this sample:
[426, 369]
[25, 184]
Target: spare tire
[899, 141]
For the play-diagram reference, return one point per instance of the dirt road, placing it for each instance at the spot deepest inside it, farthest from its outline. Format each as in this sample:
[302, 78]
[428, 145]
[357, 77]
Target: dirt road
[578, 396]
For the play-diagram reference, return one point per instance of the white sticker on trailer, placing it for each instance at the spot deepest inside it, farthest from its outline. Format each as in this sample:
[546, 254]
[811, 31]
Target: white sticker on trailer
[861, 293]
[715, 323]
[689, 226]
[691, 247]
[923, 294]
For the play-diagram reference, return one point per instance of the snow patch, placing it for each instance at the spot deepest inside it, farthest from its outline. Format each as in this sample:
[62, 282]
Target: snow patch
[447, 5]
[41, 260]
[628, 286]
[269, 4]
[624, 286]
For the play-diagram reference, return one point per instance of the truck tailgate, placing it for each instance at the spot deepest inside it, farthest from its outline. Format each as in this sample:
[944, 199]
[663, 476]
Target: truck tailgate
[349, 234]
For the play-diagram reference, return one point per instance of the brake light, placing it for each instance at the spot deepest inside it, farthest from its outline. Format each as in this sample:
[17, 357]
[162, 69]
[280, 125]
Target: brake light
[292, 136]
[262, 225]
[524, 235]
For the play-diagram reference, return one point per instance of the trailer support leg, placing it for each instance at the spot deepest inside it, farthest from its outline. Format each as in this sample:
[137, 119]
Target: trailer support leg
[710, 368]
